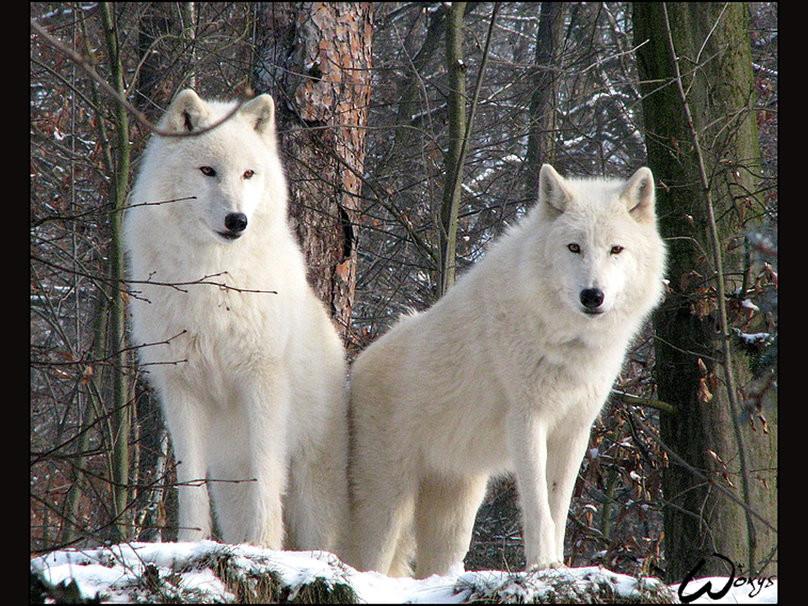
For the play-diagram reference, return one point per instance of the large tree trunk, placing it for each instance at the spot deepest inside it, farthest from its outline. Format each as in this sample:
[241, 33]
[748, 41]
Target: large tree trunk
[707, 432]
[315, 61]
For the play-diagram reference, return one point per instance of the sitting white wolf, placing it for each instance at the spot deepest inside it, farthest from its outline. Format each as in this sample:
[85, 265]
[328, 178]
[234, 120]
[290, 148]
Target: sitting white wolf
[506, 372]
[252, 384]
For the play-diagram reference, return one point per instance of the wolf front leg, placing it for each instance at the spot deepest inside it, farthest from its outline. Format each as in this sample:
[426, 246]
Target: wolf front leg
[188, 424]
[565, 453]
[266, 403]
[527, 442]
[231, 476]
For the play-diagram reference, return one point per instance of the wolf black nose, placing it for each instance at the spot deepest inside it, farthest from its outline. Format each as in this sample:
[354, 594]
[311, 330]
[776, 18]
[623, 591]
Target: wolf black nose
[591, 297]
[236, 221]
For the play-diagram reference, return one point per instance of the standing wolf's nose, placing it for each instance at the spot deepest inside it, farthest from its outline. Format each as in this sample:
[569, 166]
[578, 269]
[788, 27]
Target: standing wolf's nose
[591, 298]
[236, 221]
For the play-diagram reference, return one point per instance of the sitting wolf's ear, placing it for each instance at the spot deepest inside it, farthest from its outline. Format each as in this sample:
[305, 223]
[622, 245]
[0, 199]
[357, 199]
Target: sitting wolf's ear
[261, 113]
[553, 189]
[185, 113]
[639, 195]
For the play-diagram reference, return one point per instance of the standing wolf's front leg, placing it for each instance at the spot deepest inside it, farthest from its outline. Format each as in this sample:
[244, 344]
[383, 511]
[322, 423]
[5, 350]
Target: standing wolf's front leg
[566, 451]
[527, 442]
[267, 403]
[188, 424]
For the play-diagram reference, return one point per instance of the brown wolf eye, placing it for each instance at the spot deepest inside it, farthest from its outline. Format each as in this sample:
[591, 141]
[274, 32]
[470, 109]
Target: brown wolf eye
[207, 171]
[248, 173]
[616, 250]
[574, 248]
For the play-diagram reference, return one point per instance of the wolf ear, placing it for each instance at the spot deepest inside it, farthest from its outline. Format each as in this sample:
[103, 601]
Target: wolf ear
[185, 113]
[261, 113]
[553, 189]
[639, 195]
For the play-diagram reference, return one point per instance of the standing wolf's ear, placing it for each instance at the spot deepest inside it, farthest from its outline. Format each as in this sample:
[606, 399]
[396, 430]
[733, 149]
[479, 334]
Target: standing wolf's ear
[185, 113]
[639, 195]
[553, 189]
[261, 113]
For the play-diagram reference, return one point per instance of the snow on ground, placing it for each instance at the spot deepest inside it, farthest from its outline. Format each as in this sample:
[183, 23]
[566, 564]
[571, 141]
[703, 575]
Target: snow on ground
[212, 572]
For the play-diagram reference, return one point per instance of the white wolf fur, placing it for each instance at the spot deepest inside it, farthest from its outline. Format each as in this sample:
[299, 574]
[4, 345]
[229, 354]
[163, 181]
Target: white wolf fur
[504, 373]
[260, 389]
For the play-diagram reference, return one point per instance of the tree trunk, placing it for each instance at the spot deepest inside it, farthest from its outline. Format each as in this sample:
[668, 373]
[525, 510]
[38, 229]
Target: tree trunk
[456, 69]
[315, 61]
[411, 89]
[410, 96]
[119, 406]
[189, 36]
[154, 90]
[542, 111]
[707, 433]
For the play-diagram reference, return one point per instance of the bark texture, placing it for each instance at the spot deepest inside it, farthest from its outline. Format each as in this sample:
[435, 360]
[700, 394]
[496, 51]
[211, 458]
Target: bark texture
[315, 60]
[713, 47]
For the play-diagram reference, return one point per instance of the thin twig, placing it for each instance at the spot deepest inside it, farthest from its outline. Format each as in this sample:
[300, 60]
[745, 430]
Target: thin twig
[680, 461]
[175, 285]
[86, 66]
[649, 402]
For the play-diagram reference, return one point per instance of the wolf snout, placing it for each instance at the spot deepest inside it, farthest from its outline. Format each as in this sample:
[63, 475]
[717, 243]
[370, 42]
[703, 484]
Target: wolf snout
[236, 222]
[591, 299]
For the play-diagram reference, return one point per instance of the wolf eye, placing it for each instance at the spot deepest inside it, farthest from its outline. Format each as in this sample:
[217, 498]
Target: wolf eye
[207, 171]
[616, 250]
[248, 173]
[574, 248]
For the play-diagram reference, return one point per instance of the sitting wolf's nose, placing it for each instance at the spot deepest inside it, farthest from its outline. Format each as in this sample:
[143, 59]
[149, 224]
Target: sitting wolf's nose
[236, 221]
[591, 297]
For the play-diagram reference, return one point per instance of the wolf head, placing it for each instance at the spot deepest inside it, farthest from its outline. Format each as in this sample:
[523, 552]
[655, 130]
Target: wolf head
[600, 240]
[227, 170]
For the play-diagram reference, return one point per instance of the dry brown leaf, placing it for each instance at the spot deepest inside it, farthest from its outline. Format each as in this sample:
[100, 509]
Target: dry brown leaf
[343, 270]
[705, 304]
[764, 424]
[704, 394]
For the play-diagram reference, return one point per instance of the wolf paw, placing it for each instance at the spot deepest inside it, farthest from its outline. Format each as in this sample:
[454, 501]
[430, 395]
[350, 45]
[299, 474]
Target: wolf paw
[541, 565]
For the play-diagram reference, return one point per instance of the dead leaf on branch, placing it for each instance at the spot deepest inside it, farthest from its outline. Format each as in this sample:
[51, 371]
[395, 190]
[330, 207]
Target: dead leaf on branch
[705, 304]
[704, 394]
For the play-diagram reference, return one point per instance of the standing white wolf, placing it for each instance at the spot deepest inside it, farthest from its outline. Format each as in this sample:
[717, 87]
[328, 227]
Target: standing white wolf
[252, 384]
[506, 372]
